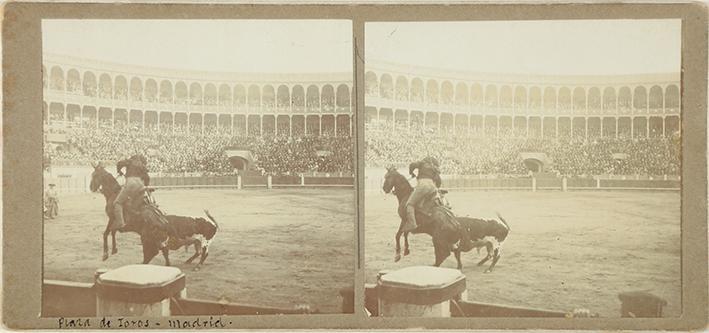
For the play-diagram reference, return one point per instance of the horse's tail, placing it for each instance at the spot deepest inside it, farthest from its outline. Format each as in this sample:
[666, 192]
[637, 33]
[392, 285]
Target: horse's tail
[211, 218]
[502, 219]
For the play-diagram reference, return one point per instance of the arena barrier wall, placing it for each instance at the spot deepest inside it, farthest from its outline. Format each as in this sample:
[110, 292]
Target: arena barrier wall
[464, 308]
[76, 299]
[80, 184]
[483, 182]
[68, 299]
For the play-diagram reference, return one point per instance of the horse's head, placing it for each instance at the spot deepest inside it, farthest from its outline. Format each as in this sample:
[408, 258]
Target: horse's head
[390, 179]
[97, 177]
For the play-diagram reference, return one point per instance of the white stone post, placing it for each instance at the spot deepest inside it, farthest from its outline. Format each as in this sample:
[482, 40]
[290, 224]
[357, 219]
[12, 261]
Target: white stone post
[419, 291]
[302, 180]
[137, 290]
[238, 182]
[563, 184]
[534, 184]
[269, 182]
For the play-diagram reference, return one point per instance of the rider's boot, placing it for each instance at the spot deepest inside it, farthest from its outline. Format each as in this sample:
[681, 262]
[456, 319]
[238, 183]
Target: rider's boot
[410, 223]
[118, 221]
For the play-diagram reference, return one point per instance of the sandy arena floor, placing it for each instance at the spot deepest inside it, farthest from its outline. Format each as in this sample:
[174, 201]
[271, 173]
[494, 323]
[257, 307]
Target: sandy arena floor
[275, 248]
[565, 251]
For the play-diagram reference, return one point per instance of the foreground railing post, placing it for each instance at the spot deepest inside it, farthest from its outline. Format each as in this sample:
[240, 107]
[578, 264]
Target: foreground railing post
[138, 290]
[238, 182]
[534, 184]
[419, 291]
[269, 182]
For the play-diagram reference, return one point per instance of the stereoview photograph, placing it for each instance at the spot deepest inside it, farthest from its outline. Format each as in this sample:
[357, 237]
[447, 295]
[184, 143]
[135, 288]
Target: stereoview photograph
[198, 167]
[559, 139]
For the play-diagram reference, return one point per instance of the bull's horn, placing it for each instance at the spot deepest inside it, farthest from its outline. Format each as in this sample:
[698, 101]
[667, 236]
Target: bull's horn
[503, 220]
[211, 218]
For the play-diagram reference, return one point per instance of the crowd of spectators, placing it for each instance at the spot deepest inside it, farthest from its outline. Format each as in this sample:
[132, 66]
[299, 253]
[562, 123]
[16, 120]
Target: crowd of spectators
[187, 150]
[473, 153]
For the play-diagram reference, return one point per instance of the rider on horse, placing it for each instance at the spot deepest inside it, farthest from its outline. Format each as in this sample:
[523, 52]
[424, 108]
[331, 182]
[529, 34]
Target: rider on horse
[136, 180]
[427, 185]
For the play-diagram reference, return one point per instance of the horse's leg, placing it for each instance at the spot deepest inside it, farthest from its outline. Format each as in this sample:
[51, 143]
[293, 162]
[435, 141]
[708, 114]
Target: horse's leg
[114, 250]
[397, 257]
[441, 250]
[406, 244]
[150, 249]
[457, 258]
[165, 254]
[105, 242]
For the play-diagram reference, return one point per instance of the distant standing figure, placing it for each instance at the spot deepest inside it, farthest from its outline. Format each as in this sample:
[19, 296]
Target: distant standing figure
[51, 201]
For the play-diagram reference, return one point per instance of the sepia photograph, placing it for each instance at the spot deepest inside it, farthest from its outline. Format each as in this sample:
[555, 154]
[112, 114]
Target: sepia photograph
[523, 168]
[197, 167]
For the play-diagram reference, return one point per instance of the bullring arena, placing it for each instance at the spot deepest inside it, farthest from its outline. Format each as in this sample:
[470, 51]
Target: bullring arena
[269, 155]
[585, 169]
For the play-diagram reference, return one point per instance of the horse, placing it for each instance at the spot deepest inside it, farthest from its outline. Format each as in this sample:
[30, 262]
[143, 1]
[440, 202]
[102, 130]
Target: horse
[103, 181]
[440, 225]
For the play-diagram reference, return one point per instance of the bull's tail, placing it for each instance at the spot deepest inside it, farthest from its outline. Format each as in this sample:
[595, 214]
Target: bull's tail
[211, 218]
[502, 219]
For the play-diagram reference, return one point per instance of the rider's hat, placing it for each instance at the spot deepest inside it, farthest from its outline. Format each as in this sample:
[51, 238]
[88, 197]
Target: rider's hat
[432, 160]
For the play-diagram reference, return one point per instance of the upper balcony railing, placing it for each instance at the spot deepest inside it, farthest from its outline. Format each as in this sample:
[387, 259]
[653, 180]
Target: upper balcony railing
[515, 110]
[184, 105]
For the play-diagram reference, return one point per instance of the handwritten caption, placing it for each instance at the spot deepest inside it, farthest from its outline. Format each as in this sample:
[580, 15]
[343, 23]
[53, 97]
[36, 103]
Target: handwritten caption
[112, 323]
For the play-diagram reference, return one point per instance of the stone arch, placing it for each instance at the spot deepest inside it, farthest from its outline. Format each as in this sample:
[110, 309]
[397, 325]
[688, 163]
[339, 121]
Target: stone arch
[151, 91]
[491, 95]
[136, 89]
[371, 83]
[417, 92]
[386, 87]
[312, 98]
[402, 89]
[181, 93]
[210, 94]
[640, 98]
[609, 99]
[461, 94]
[283, 97]
[254, 96]
[105, 86]
[343, 96]
[195, 94]
[328, 98]
[432, 91]
[447, 92]
[165, 91]
[268, 97]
